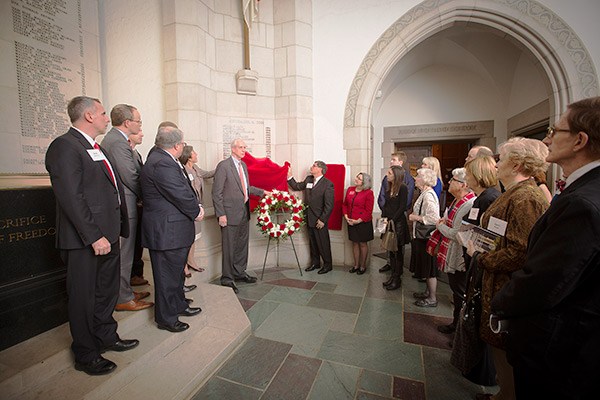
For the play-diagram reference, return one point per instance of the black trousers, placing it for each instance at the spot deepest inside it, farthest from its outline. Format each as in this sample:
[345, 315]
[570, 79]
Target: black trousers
[93, 288]
[320, 246]
[167, 269]
[458, 284]
[137, 268]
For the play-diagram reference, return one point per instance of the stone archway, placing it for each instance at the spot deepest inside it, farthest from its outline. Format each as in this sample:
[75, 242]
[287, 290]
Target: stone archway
[559, 51]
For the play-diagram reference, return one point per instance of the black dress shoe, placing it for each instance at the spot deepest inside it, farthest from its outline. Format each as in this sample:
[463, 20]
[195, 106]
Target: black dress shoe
[324, 270]
[361, 271]
[189, 288]
[231, 285]
[389, 281]
[178, 326]
[190, 311]
[122, 345]
[396, 283]
[385, 268]
[247, 279]
[312, 268]
[447, 329]
[189, 301]
[99, 366]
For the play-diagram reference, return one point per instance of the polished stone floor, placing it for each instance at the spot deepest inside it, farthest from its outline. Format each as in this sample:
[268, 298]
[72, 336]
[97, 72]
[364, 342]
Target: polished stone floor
[340, 336]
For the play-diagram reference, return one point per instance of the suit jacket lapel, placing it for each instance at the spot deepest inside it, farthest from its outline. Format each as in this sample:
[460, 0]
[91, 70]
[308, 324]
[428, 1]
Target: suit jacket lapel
[88, 146]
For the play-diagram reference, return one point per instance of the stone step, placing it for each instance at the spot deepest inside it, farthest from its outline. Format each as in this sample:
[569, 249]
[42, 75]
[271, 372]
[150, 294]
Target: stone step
[164, 365]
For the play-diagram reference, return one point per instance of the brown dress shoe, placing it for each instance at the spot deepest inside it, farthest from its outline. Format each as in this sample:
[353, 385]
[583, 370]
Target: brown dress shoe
[134, 305]
[138, 281]
[140, 295]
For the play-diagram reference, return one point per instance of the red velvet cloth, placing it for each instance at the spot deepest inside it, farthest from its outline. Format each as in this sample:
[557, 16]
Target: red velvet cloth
[265, 174]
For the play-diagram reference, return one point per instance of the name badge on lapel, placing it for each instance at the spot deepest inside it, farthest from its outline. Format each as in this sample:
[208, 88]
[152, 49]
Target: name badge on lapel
[96, 155]
[309, 185]
[191, 177]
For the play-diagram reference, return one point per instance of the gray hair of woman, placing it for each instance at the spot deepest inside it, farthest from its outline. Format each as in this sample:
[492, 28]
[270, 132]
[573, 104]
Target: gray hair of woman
[530, 154]
[186, 154]
[367, 181]
[460, 174]
[428, 175]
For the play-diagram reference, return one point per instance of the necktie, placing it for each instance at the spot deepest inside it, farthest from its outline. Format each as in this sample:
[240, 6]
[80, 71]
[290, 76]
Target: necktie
[243, 183]
[560, 185]
[110, 173]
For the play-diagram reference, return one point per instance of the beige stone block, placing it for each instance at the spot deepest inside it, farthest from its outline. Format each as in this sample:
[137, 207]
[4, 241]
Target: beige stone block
[171, 102]
[216, 25]
[277, 35]
[284, 11]
[261, 61]
[204, 77]
[230, 104]
[296, 85]
[188, 71]
[281, 131]
[355, 138]
[188, 12]
[230, 56]
[223, 6]
[233, 29]
[282, 106]
[357, 157]
[278, 85]
[280, 62]
[168, 12]
[300, 130]
[202, 45]
[299, 61]
[188, 42]
[261, 107]
[258, 34]
[210, 52]
[282, 153]
[301, 106]
[296, 33]
[269, 36]
[266, 87]
[170, 71]
[189, 122]
[303, 11]
[223, 81]
[189, 96]
[169, 42]
[302, 159]
[211, 101]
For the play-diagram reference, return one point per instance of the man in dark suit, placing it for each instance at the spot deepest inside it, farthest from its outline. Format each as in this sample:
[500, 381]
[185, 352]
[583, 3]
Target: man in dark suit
[230, 193]
[170, 209]
[126, 121]
[398, 158]
[552, 306]
[319, 196]
[91, 214]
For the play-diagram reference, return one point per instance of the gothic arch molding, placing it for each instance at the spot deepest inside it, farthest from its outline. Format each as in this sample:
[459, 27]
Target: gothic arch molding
[557, 48]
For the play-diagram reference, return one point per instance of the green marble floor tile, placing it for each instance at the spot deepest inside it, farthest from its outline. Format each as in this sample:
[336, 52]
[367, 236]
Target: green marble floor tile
[353, 285]
[393, 357]
[294, 379]
[344, 322]
[255, 362]
[325, 287]
[445, 381]
[380, 318]
[260, 311]
[335, 302]
[254, 291]
[290, 295]
[219, 389]
[375, 382]
[376, 290]
[335, 382]
[296, 325]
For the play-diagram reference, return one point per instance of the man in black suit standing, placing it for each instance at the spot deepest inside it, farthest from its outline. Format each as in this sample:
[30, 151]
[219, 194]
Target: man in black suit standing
[126, 122]
[231, 192]
[91, 214]
[319, 196]
[170, 208]
[552, 305]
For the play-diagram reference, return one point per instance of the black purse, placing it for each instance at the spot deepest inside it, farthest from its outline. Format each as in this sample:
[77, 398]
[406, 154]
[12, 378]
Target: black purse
[423, 231]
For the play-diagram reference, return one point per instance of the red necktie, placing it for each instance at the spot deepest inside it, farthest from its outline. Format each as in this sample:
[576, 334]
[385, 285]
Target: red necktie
[560, 184]
[112, 177]
[243, 183]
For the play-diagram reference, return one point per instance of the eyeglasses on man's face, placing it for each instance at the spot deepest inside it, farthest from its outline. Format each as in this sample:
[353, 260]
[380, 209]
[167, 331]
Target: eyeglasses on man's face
[137, 121]
[551, 131]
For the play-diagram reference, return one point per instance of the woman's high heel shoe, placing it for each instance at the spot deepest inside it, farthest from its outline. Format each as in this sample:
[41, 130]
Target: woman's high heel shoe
[199, 269]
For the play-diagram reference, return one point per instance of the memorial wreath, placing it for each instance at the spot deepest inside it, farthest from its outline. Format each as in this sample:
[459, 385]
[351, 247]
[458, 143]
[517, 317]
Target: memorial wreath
[279, 201]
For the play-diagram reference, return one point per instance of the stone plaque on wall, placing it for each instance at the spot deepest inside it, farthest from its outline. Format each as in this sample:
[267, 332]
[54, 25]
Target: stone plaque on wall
[50, 53]
[257, 133]
[435, 132]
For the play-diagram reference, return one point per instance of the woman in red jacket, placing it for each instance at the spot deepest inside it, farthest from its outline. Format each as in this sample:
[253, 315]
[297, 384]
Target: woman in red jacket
[358, 212]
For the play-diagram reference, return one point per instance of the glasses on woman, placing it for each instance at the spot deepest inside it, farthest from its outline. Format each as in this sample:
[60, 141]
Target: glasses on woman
[553, 131]
[456, 180]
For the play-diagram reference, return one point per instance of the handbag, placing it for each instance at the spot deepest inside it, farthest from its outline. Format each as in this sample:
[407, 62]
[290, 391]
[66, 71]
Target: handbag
[389, 240]
[381, 226]
[423, 231]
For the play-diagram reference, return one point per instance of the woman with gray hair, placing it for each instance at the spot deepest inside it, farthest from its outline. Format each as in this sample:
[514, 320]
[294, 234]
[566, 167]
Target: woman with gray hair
[427, 211]
[358, 212]
[196, 175]
[450, 255]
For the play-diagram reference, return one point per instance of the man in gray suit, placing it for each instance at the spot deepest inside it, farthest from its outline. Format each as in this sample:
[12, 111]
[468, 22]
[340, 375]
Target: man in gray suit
[231, 191]
[126, 121]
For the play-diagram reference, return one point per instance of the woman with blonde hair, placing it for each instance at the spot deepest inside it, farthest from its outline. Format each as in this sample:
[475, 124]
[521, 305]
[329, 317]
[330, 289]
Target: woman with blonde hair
[517, 209]
[434, 164]
[427, 211]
